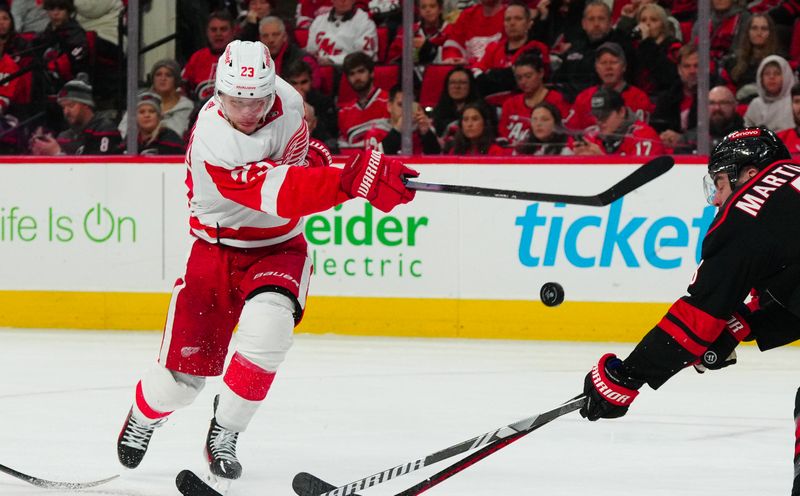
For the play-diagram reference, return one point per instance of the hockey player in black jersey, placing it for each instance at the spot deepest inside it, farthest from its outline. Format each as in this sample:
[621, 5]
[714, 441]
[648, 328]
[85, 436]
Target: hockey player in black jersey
[752, 247]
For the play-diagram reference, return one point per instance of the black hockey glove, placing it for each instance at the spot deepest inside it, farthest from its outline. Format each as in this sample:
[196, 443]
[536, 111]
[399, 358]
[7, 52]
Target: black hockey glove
[609, 390]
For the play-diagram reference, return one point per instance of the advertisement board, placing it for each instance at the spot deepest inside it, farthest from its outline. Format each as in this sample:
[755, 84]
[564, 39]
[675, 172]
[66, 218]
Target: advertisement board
[98, 243]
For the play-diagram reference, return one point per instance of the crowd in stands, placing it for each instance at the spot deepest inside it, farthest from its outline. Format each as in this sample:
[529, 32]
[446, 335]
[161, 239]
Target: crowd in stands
[491, 77]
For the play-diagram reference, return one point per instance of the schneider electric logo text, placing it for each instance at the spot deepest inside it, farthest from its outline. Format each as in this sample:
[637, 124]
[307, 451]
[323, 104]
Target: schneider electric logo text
[361, 234]
[660, 242]
[96, 224]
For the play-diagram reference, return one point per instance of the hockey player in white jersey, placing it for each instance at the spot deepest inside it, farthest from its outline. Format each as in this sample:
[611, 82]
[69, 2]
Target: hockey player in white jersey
[251, 177]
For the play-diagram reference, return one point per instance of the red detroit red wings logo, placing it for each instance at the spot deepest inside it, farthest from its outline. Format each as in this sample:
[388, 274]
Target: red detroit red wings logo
[241, 184]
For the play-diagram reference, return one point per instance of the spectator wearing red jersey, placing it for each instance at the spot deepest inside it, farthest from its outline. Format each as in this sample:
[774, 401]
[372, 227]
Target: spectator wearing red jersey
[11, 42]
[248, 26]
[610, 64]
[656, 49]
[785, 13]
[459, 90]
[791, 136]
[475, 135]
[200, 70]
[342, 31]
[516, 112]
[369, 110]
[429, 35]
[475, 29]
[760, 41]
[618, 130]
[10, 90]
[728, 18]
[493, 71]
[547, 135]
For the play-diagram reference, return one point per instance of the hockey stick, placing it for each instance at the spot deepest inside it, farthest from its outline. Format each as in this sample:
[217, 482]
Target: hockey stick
[305, 484]
[433, 480]
[53, 484]
[641, 176]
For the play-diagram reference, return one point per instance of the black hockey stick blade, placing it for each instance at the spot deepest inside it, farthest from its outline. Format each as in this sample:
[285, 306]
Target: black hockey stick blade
[307, 485]
[641, 176]
[190, 484]
[48, 484]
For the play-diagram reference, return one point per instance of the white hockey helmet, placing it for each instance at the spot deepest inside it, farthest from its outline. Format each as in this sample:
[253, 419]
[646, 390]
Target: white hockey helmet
[245, 70]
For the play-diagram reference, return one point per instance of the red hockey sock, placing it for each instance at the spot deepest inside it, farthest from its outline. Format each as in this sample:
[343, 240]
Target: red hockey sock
[247, 379]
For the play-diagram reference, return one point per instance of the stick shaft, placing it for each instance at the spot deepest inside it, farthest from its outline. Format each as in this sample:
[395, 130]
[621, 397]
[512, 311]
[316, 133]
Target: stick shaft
[641, 176]
[509, 431]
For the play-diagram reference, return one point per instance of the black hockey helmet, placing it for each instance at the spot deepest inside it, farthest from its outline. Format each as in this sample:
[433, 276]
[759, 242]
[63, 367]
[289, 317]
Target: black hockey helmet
[749, 147]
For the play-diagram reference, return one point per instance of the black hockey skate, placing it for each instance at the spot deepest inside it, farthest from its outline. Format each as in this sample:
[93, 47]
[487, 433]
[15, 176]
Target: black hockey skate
[221, 450]
[133, 440]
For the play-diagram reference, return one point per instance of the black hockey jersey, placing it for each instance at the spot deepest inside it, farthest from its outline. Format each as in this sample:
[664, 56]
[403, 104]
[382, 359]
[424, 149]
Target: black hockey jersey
[754, 238]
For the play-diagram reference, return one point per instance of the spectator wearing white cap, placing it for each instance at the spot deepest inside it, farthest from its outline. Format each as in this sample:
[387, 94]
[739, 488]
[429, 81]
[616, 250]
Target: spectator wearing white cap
[88, 133]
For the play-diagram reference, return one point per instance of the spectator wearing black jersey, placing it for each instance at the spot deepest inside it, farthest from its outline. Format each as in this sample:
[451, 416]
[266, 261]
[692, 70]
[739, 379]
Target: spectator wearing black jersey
[88, 133]
[63, 46]
[577, 71]
[656, 50]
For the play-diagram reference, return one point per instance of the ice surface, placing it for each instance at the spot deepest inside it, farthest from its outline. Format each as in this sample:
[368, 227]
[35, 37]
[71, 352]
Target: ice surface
[346, 407]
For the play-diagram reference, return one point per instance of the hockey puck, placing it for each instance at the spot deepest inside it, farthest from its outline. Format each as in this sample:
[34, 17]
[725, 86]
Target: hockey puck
[551, 294]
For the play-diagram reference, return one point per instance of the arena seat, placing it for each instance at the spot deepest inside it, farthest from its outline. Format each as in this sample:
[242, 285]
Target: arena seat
[433, 83]
[383, 44]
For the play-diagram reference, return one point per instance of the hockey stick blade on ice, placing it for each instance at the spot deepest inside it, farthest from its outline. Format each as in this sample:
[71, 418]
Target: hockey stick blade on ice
[305, 484]
[320, 486]
[641, 176]
[190, 484]
[48, 484]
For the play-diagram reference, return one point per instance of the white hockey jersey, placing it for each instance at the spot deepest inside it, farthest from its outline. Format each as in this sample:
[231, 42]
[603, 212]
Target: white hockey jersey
[335, 36]
[252, 190]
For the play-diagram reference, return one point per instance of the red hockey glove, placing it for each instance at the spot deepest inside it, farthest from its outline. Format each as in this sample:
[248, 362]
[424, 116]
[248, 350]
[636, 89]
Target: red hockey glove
[608, 389]
[318, 154]
[378, 179]
[722, 352]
